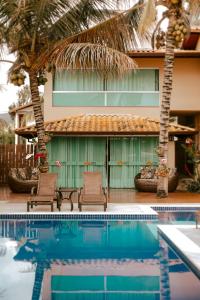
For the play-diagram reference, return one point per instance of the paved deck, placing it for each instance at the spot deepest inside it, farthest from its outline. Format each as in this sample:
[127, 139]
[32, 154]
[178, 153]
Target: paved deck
[185, 239]
[117, 196]
[12, 202]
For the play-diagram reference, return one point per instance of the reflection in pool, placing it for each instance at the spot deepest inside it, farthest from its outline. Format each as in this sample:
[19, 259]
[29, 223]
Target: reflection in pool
[83, 260]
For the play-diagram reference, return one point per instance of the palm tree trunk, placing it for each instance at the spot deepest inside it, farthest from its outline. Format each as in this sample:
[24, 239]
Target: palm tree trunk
[39, 119]
[162, 189]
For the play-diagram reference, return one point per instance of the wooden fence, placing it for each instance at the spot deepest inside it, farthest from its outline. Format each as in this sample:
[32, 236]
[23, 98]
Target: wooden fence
[14, 156]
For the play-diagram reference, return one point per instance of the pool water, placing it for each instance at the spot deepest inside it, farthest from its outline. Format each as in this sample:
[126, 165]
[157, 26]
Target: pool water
[91, 260]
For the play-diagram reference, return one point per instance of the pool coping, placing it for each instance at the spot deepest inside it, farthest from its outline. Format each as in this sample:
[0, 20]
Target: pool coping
[188, 250]
[79, 216]
[175, 207]
[151, 213]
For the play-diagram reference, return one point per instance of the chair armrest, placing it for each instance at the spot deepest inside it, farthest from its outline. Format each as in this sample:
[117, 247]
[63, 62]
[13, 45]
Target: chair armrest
[33, 190]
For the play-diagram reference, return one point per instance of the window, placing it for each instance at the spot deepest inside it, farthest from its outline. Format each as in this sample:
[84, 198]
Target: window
[88, 88]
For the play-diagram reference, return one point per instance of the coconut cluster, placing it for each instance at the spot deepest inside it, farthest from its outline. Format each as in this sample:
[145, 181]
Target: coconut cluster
[17, 78]
[160, 39]
[179, 32]
[41, 80]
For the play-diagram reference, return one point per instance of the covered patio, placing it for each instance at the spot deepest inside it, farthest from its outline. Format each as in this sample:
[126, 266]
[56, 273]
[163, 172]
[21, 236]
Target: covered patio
[117, 146]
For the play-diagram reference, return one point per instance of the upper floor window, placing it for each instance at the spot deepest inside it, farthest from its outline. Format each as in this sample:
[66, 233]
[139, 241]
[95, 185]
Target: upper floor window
[88, 88]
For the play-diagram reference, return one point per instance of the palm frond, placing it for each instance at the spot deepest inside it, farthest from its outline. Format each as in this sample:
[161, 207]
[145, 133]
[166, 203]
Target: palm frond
[81, 16]
[92, 56]
[194, 11]
[118, 32]
[31, 28]
[148, 18]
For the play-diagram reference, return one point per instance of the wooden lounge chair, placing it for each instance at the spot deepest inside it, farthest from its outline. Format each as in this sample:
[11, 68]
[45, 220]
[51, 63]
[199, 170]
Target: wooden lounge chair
[44, 194]
[92, 192]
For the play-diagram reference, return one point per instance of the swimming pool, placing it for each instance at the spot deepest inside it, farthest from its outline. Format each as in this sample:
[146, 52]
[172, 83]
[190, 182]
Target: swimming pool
[84, 259]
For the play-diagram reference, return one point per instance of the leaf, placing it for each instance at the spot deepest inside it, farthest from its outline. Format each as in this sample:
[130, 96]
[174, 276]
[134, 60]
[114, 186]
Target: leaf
[148, 17]
[91, 56]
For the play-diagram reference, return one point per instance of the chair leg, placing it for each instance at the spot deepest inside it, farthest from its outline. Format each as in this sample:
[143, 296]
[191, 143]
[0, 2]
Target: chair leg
[105, 206]
[51, 206]
[197, 222]
[28, 206]
[80, 207]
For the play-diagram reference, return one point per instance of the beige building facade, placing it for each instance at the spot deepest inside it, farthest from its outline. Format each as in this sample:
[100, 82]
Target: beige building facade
[97, 113]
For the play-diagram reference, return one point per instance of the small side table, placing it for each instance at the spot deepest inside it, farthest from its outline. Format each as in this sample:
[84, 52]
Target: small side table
[65, 194]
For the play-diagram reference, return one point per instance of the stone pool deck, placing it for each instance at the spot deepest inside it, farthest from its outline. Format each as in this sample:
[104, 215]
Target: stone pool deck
[119, 200]
[185, 240]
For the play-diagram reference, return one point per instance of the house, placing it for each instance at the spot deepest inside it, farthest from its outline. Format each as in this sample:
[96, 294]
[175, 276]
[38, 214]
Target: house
[23, 116]
[111, 124]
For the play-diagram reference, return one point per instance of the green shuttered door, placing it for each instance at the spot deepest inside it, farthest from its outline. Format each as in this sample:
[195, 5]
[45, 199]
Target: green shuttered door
[77, 155]
[126, 157]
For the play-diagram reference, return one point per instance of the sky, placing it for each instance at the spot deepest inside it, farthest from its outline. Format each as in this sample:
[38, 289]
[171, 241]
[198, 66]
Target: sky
[8, 93]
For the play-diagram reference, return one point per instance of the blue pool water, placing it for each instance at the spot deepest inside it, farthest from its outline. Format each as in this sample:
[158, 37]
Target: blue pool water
[92, 260]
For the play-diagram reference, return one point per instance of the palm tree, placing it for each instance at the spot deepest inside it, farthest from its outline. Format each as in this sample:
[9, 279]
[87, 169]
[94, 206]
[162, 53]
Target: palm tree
[7, 135]
[177, 13]
[68, 33]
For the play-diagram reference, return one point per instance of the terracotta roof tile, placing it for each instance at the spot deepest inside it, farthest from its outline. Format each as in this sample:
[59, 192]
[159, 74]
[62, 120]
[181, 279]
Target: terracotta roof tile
[104, 124]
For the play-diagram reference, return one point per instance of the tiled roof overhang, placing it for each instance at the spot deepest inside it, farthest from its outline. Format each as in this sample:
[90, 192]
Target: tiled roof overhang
[161, 53]
[104, 125]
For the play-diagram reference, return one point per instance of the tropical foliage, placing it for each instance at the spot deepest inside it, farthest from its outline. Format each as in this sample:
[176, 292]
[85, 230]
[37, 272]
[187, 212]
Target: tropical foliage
[67, 33]
[7, 135]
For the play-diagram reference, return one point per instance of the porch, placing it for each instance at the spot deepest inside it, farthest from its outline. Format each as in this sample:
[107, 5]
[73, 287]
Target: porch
[119, 200]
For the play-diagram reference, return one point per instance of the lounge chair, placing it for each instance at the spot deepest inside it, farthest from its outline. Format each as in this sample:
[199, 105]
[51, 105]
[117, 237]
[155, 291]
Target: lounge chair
[92, 192]
[45, 192]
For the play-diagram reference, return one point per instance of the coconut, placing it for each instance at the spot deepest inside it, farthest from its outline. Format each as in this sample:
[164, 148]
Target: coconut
[178, 38]
[176, 27]
[21, 76]
[20, 81]
[12, 77]
[174, 1]
[15, 82]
